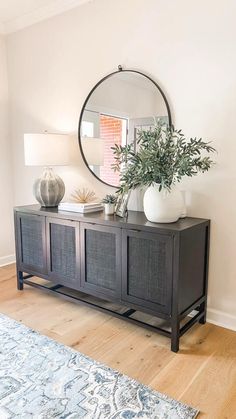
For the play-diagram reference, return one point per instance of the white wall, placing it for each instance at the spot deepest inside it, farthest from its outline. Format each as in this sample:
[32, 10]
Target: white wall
[186, 46]
[6, 181]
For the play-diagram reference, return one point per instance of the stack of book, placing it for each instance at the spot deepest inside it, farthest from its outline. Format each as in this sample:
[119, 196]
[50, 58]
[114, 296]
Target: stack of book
[80, 207]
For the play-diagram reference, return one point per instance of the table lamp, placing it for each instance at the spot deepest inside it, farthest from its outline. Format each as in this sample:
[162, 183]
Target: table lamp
[47, 150]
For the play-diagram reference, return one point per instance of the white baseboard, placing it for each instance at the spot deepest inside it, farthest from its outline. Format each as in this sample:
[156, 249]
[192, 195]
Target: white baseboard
[220, 318]
[7, 260]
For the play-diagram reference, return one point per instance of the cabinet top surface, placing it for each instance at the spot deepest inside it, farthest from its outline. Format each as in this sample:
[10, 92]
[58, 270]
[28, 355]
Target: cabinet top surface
[135, 219]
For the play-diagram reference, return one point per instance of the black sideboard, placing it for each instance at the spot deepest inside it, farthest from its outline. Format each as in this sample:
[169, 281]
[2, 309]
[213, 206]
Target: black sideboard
[157, 269]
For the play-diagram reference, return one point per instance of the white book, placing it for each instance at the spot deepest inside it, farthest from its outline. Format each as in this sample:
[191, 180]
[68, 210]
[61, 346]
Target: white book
[79, 205]
[92, 209]
[81, 210]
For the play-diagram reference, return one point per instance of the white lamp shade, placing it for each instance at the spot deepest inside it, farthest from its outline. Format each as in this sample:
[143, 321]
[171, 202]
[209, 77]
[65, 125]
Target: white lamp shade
[47, 149]
[93, 149]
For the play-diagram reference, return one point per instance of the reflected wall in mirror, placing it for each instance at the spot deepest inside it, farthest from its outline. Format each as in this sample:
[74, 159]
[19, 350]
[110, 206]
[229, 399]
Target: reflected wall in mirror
[115, 110]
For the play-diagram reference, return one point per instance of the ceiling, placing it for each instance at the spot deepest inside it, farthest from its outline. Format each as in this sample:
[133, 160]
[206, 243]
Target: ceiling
[17, 14]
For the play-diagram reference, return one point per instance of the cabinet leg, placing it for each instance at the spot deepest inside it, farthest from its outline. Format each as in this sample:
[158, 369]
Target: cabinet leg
[175, 335]
[20, 283]
[203, 309]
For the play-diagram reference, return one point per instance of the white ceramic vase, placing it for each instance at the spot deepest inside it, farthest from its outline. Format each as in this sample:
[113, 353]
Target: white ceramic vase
[109, 209]
[164, 206]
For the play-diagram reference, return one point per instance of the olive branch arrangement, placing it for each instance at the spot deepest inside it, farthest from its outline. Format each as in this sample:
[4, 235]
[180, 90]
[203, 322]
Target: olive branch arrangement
[163, 157]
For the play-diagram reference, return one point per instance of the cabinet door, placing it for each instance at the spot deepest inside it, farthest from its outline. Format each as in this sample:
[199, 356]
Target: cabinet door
[31, 243]
[101, 260]
[63, 252]
[147, 270]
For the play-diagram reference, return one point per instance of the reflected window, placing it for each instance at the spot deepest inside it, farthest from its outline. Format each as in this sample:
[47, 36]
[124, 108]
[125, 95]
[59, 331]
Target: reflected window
[113, 130]
[87, 129]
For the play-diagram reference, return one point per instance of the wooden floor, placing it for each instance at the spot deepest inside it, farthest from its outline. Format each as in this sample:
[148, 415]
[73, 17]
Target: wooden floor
[202, 374]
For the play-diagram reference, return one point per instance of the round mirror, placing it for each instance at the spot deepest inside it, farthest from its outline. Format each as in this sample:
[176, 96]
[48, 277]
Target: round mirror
[115, 110]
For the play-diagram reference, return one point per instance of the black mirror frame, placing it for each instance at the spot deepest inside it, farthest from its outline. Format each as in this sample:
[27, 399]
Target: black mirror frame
[88, 97]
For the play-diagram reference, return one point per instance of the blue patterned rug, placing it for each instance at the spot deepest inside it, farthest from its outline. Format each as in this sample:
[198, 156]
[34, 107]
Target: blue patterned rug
[43, 379]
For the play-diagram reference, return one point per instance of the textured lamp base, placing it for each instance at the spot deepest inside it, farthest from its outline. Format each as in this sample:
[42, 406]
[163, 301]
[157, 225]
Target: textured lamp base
[49, 189]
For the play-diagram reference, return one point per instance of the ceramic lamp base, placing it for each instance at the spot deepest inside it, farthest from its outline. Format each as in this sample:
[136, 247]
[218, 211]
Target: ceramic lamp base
[49, 189]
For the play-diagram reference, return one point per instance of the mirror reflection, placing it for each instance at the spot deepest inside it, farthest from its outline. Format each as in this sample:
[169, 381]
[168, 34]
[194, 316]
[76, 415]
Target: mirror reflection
[117, 109]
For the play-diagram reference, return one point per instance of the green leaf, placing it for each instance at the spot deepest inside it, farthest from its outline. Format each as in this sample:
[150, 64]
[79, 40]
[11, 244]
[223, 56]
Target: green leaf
[164, 156]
